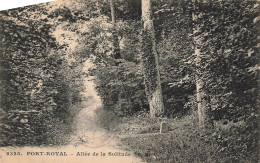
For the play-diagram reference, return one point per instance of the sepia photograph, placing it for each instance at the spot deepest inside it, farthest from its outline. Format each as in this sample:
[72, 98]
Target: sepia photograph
[130, 81]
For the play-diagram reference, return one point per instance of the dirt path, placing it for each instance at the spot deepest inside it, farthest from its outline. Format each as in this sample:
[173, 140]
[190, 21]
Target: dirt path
[92, 137]
[90, 144]
[85, 146]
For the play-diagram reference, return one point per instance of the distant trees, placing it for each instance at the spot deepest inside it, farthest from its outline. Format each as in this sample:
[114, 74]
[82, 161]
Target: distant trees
[177, 34]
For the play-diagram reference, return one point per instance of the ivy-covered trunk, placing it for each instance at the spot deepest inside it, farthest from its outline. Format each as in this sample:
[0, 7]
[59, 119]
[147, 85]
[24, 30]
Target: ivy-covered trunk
[115, 47]
[150, 63]
[202, 99]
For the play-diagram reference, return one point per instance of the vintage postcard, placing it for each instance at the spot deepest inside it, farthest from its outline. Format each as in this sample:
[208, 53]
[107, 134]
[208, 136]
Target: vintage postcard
[129, 81]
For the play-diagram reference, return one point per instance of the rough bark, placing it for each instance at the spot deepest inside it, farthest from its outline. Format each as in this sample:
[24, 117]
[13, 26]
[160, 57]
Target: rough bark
[150, 63]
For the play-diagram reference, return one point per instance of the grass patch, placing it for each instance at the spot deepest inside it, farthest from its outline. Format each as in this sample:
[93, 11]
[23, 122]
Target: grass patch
[185, 143]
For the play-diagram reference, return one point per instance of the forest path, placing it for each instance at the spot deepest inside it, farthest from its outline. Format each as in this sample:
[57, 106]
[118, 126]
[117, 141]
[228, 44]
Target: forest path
[85, 146]
[91, 138]
[91, 144]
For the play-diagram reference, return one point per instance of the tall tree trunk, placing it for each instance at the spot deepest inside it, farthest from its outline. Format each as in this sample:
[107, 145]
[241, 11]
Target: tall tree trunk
[202, 98]
[150, 63]
[115, 46]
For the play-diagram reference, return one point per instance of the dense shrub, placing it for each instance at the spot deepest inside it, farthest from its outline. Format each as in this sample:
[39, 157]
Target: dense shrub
[37, 85]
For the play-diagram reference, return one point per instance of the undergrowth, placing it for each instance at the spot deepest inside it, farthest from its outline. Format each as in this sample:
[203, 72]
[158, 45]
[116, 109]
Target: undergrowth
[185, 142]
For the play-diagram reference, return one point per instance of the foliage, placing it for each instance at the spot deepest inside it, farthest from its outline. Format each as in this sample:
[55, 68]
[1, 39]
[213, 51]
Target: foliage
[35, 77]
[43, 49]
[173, 26]
[119, 85]
[226, 35]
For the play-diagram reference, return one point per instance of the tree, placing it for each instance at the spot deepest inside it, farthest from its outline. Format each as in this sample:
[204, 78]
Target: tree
[150, 62]
[115, 47]
[225, 43]
[203, 106]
